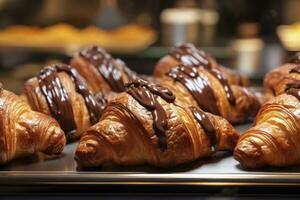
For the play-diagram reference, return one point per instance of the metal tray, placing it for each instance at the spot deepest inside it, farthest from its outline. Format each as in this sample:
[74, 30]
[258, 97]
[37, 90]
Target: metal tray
[220, 170]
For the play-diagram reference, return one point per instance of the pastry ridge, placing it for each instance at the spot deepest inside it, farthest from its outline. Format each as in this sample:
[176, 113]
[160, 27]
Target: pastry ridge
[24, 132]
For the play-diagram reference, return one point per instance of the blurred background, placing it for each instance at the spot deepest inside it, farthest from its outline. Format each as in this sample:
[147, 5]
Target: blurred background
[251, 36]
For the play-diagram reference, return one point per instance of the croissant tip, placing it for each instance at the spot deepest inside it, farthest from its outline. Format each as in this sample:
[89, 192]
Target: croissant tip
[86, 153]
[248, 155]
[86, 149]
[57, 142]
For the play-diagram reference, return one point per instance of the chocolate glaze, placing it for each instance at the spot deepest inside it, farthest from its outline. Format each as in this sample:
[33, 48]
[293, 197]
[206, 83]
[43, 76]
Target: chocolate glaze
[146, 94]
[229, 93]
[295, 59]
[94, 105]
[107, 66]
[197, 85]
[206, 124]
[293, 89]
[102, 101]
[296, 69]
[191, 56]
[59, 101]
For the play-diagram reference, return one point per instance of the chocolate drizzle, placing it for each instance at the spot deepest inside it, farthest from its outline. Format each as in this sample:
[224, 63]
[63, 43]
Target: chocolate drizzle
[293, 89]
[59, 101]
[191, 56]
[296, 69]
[206, 124]
[146, 94]
[106, 65]
[229, 94]
[94, 105]
[102, 101]
[197, 85]
[295, 59]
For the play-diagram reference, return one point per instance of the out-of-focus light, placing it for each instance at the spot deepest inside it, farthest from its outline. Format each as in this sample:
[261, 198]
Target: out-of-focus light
[289, 35]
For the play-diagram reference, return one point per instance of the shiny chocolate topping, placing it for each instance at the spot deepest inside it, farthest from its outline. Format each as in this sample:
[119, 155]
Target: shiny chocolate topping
[146, 94]
[198, 85]
[206, 124]
[229, 93]
[94, 104]
[102, 101]
[106, 65]
[190, 55]
[293, 89]
[295, 59]
[296, 69]
[59, 101]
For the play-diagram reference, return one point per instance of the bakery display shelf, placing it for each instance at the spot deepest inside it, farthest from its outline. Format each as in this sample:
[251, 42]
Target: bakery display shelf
[220, 170]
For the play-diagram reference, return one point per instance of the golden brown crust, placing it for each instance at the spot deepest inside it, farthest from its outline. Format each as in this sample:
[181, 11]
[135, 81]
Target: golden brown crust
[125, 136]
[24, 132]
[275, 138]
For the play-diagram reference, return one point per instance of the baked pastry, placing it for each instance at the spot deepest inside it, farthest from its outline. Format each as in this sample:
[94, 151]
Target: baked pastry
[189, 55]
[276, 81]
[211, 91]
[275, 138]
[101, 70]
[25, 132]
[145, 124]
[59, 91]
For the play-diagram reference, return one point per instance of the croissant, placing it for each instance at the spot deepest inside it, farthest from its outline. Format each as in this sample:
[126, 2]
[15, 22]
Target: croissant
[276, 81]
[146, 125]
[25, 132]
[211, 91]
[59, 91]
[101, 70]
[189, 55]
[275, 138]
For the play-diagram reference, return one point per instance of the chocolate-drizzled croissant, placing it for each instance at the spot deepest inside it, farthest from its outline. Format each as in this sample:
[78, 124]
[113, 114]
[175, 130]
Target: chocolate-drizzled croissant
[189, 55]
[59, 91]
[24, 132]
[145, 124]
[210, 90]
[276, 81]
[101, 70]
